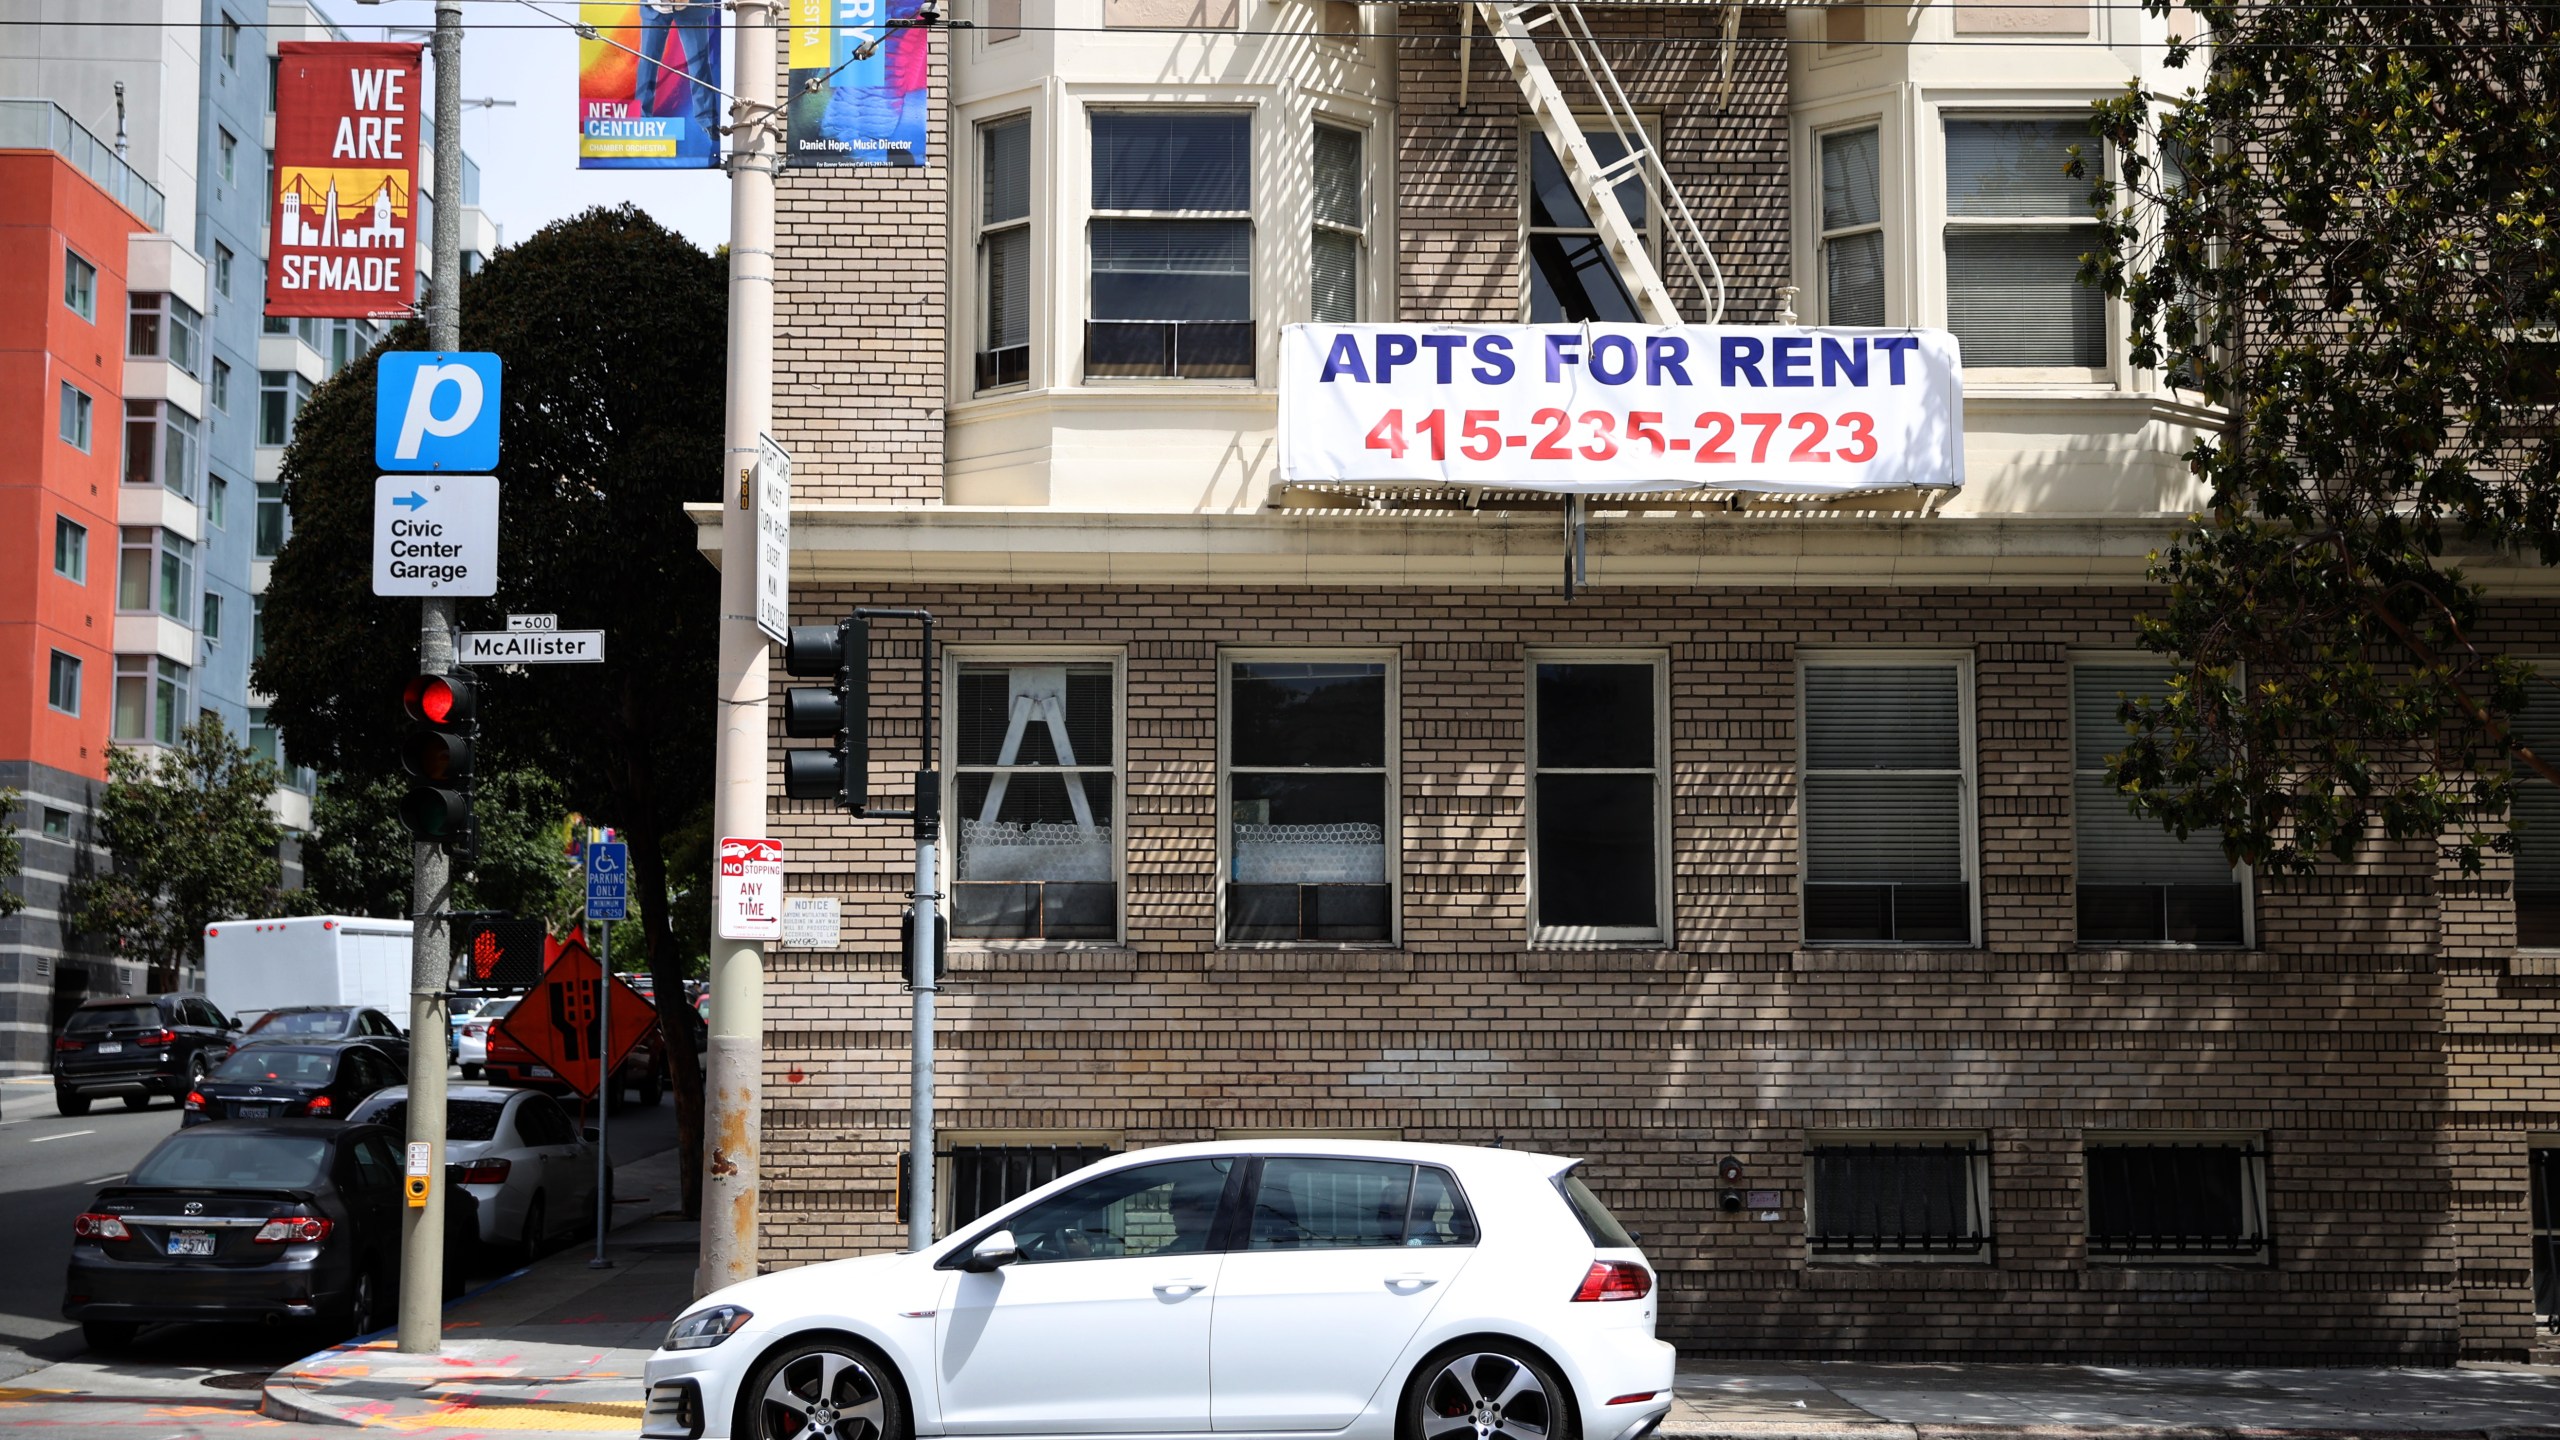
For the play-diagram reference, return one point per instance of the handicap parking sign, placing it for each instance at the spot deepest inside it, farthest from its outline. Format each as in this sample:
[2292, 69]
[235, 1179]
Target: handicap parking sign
[608, 876]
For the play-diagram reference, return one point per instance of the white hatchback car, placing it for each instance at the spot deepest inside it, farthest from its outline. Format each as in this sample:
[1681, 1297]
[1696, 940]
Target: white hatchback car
[530, 1166]
[1240, 1289]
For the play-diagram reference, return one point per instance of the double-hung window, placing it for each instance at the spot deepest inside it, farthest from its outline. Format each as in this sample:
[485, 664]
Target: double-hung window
[2537, 824]
[2138, 884]
[161, 444]
[2163, 1199]
[1334, 274]
[1887, 798]
[1570, 275]
[1596, 798]
[1034, 746]
[70, 549]
[1004, 252]
[151, 699]
[1899, 1196]
[1308, 790]
[156, 573]
[79, 285]
[2016, 228]
[1172, 245]
[1852, 229]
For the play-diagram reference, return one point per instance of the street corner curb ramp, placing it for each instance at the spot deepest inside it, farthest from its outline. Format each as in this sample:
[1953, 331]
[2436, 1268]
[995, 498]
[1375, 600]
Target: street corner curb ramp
[473, 1385]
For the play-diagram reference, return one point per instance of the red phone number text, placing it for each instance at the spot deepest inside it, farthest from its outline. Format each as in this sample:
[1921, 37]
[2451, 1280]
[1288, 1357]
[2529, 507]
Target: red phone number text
[1804, 438]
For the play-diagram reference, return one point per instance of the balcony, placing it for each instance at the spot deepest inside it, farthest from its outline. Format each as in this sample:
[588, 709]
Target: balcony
[43, 125]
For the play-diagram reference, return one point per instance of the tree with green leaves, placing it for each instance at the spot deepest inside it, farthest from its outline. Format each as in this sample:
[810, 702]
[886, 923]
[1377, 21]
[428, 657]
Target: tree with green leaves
[12, 853]
[190, 840]
[357, 861]
[2344, 235]
[614, 335]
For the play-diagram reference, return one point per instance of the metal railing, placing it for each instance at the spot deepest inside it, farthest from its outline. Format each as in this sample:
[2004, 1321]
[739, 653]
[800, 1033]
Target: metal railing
[1900, 1198]
[43, 125]
[2201, 1198]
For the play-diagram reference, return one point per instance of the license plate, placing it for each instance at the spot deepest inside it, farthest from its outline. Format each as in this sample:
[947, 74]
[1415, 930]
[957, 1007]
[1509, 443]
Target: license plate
[542, 1070]
[191, 1242]
[110, 1047]
[253, 1112]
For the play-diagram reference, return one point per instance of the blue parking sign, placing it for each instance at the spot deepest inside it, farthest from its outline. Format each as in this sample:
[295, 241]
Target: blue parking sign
[608, 874]
[436, 411]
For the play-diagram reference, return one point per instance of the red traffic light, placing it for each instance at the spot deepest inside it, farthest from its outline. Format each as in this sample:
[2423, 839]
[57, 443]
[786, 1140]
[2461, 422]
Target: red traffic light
[438, 699]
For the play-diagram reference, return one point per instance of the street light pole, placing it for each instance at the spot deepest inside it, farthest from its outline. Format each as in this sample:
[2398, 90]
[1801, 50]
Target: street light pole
[431, 886]
[733, 1090]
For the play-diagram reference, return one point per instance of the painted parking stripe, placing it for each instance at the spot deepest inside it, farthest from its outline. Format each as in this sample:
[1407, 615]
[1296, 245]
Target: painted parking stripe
[65, 1135]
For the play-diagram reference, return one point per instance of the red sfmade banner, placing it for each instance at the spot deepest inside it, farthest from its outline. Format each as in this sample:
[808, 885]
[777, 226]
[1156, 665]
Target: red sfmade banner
[343, 218]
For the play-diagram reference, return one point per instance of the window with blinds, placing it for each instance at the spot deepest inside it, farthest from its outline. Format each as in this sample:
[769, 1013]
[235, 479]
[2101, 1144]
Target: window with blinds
[1033, 745]
[2016, 228]
[1004, 252]
[1171, 245]
[1596, 800]
[1571, 278]
[2138, 884]
[1886, 787]
[2537, 824]
[1335, 277]
[1852, 229]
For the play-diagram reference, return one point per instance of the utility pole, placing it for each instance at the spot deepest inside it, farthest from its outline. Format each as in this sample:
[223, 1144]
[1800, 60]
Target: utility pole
[431, 888]
[733, 1091]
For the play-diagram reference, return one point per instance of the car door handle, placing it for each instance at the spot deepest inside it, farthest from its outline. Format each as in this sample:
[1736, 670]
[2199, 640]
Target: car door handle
[1180, 1289]
[1411, 1284]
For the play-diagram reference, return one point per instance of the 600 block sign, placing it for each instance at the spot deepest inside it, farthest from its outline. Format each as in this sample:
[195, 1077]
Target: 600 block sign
[1602, 408]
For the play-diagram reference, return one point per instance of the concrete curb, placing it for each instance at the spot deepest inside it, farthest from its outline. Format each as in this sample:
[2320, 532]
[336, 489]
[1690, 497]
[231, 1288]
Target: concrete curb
[1891, 1430]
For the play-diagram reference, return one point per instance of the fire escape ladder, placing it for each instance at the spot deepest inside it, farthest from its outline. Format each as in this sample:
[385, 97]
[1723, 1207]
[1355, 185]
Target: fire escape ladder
[1511, 28]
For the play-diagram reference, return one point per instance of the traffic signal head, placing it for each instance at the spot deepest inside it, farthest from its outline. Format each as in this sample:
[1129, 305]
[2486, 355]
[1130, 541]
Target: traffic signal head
[440, 700]
[435, 751]
[840, 713]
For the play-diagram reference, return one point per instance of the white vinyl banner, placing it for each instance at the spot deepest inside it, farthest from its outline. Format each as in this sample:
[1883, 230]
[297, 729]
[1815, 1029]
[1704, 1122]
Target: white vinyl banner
[1600, 409]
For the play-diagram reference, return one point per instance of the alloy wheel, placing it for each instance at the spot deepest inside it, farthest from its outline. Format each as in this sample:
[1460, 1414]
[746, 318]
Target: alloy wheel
[1487, 1396]
[824, 1393]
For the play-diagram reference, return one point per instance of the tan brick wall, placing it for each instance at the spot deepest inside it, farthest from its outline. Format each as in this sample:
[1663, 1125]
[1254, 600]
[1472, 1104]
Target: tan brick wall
[2394, 1117]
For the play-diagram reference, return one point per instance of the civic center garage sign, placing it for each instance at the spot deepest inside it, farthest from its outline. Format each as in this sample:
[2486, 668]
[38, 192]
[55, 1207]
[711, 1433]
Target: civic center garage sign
[1600, 409]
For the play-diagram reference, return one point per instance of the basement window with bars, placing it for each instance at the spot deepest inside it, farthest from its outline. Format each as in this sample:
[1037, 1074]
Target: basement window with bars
[1334, 278]
[1308, 841]
[1570, 275]
[2138, 884]
[1887, 793]
[1033, 748]
[2544, 1163]
[2016, 226]
[2537, 823]
[1171, 246]
[2178, 1200]
[1004, 252]
[1900, 1198]
[974, 1180]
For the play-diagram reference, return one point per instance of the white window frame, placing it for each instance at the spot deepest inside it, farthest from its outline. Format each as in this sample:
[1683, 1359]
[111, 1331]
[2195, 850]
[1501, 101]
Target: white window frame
[152, 671]
[1979, 1192]
[226, 153]
[1935, 221]
[956, 656]
[80, 277]
[66, 528]
[2256, 1192]
[1823, 234]
[2241, 875]
[61, 662]
[78, 413]
[158, 414]
[222, 258]
[1592, 124]
[1224, 817]
[985, 229]
[160, 550]
[1359, 235]
[1967, 791]
[1256, 116]
[1540, 933]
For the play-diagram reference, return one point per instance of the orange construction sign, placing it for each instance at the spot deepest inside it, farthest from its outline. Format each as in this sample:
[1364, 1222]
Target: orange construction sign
[556, 1021]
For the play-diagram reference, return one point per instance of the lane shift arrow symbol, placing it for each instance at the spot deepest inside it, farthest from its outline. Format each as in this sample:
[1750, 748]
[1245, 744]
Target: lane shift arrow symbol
[413, 500]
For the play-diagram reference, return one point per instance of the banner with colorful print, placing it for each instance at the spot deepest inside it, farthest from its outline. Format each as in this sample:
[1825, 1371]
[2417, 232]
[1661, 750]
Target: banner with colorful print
[343, 208]
[868, 110]
[649, 85]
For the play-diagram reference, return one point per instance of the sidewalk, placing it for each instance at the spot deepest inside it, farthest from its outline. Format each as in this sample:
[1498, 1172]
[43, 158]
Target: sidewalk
[555, 1348]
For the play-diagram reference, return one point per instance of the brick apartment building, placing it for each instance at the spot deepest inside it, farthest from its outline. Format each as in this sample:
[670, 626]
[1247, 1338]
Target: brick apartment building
[1296, 808]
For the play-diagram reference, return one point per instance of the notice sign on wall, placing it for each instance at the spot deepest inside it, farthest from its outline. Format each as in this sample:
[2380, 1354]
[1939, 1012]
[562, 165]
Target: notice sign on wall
[344, 213]
[1600, 409]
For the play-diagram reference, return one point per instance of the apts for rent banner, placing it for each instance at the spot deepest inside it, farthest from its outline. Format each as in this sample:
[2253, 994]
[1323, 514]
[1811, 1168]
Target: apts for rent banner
[846, 111]
[639, 104]
[343, 214]
[1597, 409]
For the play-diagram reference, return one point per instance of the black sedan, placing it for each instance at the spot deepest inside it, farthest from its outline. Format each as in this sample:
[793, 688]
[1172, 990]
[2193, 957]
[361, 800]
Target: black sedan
[264, 1082]
[309, 1024]
[250, 1219]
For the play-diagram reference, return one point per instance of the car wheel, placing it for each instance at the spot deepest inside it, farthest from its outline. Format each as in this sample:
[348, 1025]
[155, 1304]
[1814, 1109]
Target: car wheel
[198, 1069]
[360, 1316]
[839, 1388]
[1486, 1390]
[69, 1104]
[531, 1241]
[108, 1336]
[470, 1072]
[136, 1099]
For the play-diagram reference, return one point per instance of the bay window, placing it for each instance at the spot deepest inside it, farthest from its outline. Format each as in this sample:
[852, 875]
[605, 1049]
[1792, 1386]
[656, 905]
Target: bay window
[1034, 747]
[1307, 796]
[1852, 229]
[2016, 227]
[164, 327]
[161, 444]
[1171, 245]
[1004, 252]
[1334, 278]
[151, 699]
[156, 573]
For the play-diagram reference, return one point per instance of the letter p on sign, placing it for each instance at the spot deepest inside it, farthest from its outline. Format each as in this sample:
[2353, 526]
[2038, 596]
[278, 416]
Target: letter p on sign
[436, 412]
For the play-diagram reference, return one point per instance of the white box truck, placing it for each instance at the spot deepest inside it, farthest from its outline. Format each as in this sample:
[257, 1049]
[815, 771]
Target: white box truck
[253, 966]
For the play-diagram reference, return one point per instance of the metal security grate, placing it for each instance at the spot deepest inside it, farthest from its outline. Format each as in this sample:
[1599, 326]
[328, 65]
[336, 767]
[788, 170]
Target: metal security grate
[977, 1178]
[2169, 1199]
[1906, 1198]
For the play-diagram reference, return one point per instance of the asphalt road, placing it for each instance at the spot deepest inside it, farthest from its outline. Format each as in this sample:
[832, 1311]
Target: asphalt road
[50, 1167]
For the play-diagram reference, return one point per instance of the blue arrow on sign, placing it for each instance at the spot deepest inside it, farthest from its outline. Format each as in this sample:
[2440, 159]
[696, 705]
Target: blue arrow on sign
[413, 500]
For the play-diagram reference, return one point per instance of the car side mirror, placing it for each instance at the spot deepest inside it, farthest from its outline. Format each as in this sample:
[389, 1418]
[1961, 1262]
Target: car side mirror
[993, 1253]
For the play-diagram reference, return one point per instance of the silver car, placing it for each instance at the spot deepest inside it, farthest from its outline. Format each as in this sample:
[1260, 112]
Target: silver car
[471, 1033]
[520, 1156]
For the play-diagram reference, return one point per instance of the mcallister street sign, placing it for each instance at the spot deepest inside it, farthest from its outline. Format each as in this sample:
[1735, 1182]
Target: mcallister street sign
[510, 647]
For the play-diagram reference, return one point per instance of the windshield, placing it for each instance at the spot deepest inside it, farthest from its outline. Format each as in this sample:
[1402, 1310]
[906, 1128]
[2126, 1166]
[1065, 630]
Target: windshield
[291, 1067]
[105, 1017]
[210, 1157]
[301, 1022]
[1597, 1222]
[463, 1119]
[494, 1009]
